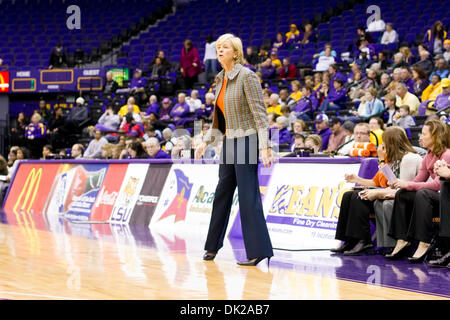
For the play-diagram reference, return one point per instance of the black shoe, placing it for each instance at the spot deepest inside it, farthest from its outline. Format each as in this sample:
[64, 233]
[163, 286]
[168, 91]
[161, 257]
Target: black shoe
[401, 253]
[359, 248]
[209, 256]
[347, 245]
[254, 262]
[421, 258]
[441, 262]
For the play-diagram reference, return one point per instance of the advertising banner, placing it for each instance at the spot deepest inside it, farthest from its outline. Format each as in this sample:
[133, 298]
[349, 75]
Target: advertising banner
[129, 193]
[75, 189]
[302, 204]
[187, 198]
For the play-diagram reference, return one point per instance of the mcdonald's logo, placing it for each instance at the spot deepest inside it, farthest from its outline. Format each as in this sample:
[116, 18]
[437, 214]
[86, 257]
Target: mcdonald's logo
[4, 81]
[29, 191]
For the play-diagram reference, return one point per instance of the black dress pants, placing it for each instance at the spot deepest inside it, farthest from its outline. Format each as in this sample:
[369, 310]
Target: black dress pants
[244, 175]
[444, 227]
[353, 222]
[412, 217]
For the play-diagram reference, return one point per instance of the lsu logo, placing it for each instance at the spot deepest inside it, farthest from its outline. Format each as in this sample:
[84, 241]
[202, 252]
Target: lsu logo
[130, 189]
[29, 191]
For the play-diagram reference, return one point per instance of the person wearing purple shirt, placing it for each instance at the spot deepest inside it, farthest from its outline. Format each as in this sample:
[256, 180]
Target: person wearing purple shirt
[406, 78]
[443, 100]
[267, 70]
[335, 100]
[153, 148]
[180, 111]
[334, 73]
[284, 136]
[323, 129]
[35, 135]
[307, 104]
[206, 109]
[153, 106]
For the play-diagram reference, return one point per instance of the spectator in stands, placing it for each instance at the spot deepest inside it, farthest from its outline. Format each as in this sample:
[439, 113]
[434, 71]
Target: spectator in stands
[107, 151]
[292, 36]
[298, 127]
[370, 105]
[136, 116]
[267, 69]
[361, 134]
[36, 135]
[153, 106]
[434, 38]
[362, 35]
[193, 101]
[418, 201]
[190, 64]
[389, 35]
[274, 105]
[47, 152]
[284, 136]
[137, 86]
[441, 68]
[296, 93]
[433, 89]
[443, 100]
[314, 141]
[180, 110]
[158, 70]
[376, 25]
[275, 61]
[337, 138]
[446, 53]
[109, 121]
[353, 224]
[309, 35]
[424, 63]
[205, 110]
[58, 57]
[363, 60]
[183, 143]
[405, 77]
[323, 129]
[137, 151]
[131, 127]
[154, 150]
[164, 113]
[169, 141]
[251, 56]
[94, 149]
[77, 151]
[326, 60]
[391, 109]
[298, 141]
[164, 61]
[385, 81]
[285, 99]
[399, 61]
[288, 71]
[56, 121]
[125, 109]
[376, 126]
[420, 81]
[18, 129]
[407, 54]
[44, 112]
[383, 60]
[110, 85]
[336, 99]
[210, 59]
[279, 42]
[404, 97]
[322, 53]
[403, 118]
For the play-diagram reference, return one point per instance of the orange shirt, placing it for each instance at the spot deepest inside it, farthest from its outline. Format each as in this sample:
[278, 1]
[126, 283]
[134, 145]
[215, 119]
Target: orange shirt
[221, 96]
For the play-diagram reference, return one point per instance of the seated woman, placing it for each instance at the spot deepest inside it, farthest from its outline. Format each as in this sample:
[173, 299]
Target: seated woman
[442, 169]
[353, 225]
[417, 201]
[314, 141]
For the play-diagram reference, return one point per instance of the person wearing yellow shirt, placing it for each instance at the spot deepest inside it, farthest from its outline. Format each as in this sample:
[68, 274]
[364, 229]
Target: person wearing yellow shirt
[376, 127]
[296, 92]
[293, 36]
[274, 106]
[124, 109]
[433, 89]
[404, 97]
[275, 61]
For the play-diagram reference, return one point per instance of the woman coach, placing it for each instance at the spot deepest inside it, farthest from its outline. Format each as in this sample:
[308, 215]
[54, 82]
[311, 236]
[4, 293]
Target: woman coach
[240, 115]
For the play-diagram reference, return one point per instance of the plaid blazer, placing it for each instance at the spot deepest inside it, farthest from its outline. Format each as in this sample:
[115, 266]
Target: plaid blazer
[245, 112]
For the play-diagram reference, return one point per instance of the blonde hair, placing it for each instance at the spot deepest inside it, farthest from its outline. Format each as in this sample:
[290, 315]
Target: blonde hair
[236, 44]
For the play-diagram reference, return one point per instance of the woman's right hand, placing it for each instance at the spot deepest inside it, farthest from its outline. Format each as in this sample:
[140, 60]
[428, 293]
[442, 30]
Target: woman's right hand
[351, 177]
[200, 151]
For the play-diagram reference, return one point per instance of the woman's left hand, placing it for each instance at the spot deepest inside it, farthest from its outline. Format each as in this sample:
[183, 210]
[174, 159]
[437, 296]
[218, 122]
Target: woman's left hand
[369, 194]
[399, 184]
[266, 157]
